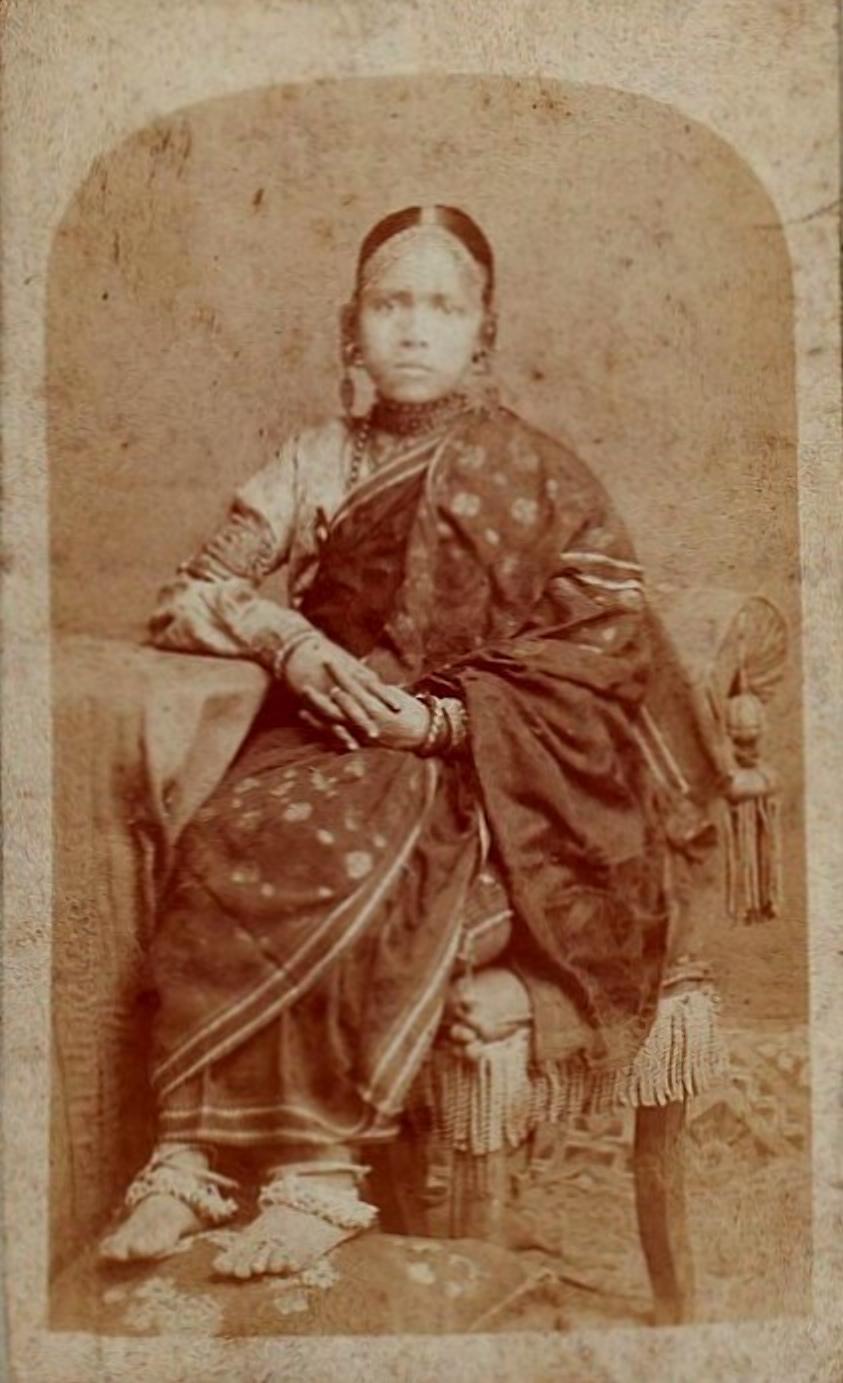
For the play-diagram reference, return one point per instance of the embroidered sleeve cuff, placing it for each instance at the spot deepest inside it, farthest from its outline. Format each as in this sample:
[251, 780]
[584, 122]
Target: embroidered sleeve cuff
[224, 617]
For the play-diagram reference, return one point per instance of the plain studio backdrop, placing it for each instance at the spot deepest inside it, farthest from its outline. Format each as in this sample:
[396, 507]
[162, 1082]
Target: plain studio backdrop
[644, 295]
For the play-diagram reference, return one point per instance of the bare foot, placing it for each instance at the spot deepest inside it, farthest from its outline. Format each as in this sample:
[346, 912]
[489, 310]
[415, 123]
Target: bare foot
[283, 1239]
[157, 1222]
[279, 1241]
[151, 1230]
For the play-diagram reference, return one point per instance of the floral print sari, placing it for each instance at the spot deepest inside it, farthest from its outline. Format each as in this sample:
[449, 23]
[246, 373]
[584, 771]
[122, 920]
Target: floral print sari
[320, 897]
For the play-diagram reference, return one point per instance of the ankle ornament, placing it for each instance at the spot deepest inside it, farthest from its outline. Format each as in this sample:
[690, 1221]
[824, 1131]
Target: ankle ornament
[338, 1207]
[196, 1187]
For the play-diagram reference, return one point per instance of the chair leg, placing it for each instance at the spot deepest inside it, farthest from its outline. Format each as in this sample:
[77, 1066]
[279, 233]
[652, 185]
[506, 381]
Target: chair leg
[659, 1172]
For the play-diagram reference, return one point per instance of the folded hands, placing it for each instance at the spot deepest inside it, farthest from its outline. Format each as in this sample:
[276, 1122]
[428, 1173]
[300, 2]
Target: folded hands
[340, 693]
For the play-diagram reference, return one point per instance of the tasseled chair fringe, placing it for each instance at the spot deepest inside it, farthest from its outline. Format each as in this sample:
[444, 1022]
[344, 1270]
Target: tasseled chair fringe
[485, 1106]
[753, 858]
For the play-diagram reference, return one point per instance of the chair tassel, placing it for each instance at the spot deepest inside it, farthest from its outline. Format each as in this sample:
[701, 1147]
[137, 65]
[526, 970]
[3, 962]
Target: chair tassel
[753, 828]
[495, 1104]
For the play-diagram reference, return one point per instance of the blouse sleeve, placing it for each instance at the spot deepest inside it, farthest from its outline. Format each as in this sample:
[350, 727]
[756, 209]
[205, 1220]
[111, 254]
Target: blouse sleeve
[212, 604]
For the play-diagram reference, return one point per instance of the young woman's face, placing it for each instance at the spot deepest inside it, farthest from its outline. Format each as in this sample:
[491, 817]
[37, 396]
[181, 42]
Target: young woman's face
[419, 324]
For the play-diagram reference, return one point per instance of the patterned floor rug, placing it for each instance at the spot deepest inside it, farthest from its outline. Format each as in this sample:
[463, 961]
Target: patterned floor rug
[750, 1220]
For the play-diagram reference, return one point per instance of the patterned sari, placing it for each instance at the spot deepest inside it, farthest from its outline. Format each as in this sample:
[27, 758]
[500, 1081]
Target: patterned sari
[320, 896]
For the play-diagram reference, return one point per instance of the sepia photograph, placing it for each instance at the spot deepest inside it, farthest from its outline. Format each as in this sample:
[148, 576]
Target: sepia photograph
[424, 587]
[431, 840]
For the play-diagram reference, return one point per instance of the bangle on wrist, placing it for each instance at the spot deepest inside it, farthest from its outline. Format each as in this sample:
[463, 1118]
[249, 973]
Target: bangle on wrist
[282, 657]
[456, 717]
[438, 732]
[444, 729]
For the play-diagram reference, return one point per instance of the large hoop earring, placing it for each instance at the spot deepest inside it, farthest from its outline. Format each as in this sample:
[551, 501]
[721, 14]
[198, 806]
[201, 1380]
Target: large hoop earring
[489, 332]
[350, 357]
[347, 394]
[483, 361]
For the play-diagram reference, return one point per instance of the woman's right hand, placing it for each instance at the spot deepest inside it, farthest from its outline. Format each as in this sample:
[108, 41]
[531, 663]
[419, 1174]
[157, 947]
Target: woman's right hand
[314, 670]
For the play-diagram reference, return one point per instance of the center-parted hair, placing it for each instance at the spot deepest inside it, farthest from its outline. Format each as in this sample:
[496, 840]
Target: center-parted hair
[447, 218]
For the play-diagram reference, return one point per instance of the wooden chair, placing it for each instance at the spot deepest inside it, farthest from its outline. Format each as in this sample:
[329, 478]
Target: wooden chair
[445, 1178]
[467, 1143]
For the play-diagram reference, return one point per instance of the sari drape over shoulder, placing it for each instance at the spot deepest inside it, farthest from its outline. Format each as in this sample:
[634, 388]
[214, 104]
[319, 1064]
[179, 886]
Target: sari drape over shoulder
[319, 897]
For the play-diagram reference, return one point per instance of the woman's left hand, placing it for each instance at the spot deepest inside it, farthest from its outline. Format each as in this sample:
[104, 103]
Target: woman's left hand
[349, 708]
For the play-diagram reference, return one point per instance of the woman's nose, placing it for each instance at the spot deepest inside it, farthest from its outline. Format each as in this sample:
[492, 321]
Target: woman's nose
[413, 327]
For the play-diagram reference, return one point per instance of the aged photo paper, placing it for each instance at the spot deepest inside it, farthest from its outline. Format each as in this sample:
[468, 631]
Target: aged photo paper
[420, 690]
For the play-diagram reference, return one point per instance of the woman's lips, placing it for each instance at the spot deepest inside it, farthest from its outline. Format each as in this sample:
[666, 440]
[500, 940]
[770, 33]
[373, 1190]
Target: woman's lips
[408, 367]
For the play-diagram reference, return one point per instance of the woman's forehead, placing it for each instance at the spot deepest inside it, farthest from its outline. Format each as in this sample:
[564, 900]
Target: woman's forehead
[424, 266]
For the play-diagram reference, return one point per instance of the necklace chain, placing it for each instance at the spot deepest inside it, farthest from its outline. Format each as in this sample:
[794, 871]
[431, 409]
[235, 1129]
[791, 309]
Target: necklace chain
[362, 433]
[400, 420]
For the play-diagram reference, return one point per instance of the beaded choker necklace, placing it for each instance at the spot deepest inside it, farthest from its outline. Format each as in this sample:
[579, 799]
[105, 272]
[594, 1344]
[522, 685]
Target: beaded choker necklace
[409, 419]
[402, 420]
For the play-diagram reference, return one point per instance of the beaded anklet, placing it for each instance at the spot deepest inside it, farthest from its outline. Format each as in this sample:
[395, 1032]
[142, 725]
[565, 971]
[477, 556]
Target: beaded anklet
[296, 1191]
[196, 1187]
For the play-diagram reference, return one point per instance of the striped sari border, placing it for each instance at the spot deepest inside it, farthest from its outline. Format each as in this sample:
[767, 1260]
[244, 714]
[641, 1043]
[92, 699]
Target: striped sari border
[235, 1024]
[396, 471]
[599, 559]
[430, 995]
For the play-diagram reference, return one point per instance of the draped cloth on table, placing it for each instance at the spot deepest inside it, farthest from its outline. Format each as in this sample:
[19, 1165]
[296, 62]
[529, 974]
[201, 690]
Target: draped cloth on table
[317, 903]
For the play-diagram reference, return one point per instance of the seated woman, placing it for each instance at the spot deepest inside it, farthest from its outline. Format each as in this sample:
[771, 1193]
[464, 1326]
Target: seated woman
[450, 744]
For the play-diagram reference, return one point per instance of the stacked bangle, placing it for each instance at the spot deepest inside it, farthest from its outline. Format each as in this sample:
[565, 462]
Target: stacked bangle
[457, 718]
[433, 742]
[448, 729]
